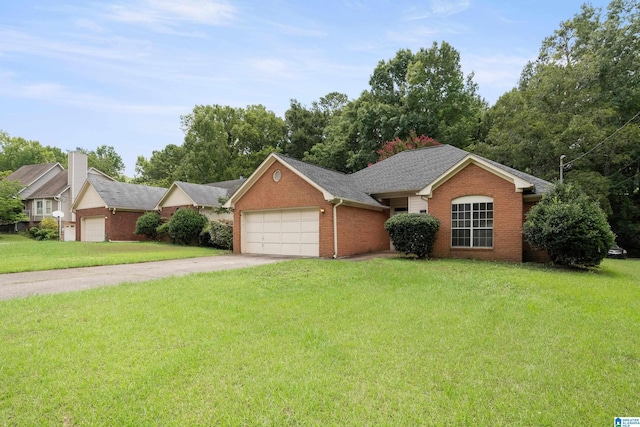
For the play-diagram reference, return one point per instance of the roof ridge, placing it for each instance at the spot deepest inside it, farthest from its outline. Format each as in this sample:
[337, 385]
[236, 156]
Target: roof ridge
[285, 157]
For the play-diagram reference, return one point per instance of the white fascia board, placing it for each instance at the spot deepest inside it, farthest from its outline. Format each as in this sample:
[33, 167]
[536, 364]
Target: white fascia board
[519, 183]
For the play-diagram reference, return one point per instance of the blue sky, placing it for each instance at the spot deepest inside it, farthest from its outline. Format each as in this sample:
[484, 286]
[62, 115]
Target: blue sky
[121, 73]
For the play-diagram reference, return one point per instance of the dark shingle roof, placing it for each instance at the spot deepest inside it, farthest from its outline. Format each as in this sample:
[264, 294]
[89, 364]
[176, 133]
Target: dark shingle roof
[27, 174]
[203, 195]
[231, 186]
[121, 195]
[53, 188]
[407, 171]
[338, 184]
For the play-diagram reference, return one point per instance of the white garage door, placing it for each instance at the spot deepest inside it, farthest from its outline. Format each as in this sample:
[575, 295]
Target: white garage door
[92, 229]
[281, 232]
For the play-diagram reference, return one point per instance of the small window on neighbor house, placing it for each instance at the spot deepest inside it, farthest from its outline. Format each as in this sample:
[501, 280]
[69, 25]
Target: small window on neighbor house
[277, 175]
[472, 222]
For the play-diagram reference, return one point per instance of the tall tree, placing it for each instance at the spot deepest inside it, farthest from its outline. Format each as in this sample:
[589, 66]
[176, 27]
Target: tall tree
[220, 143]
[580, 99]
[425, 92]
[10, 203]
[305, 127]
[105, 159]
[16, 152]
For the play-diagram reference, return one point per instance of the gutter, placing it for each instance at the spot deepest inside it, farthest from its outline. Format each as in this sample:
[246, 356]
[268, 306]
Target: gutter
[335, 228]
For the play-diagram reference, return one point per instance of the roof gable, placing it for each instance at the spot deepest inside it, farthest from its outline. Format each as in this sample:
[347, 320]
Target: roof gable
[52, 188]
[196, 194]
[333, 185]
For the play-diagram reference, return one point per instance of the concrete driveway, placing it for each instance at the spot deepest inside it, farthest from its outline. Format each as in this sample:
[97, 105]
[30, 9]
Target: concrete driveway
[14, 285]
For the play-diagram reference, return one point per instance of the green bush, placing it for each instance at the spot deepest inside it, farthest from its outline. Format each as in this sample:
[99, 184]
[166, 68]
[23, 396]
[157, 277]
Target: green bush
[413, 233]
[185, 226]
[571, 227]
[148, 224]
[46, 230]
[221, 234]
[162, 230]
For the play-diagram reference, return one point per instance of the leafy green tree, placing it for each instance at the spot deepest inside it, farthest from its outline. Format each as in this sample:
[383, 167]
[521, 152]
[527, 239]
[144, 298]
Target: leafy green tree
[162, 168]
[580, 99]
[571, 227]
[105, 159]
[16, 152]
[10, 203]
[425, 92]
[305, 127]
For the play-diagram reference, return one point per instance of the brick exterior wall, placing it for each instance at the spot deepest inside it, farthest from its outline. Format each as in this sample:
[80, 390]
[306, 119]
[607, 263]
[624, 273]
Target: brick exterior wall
[294, 192]
[118, 227]
[361, 231]
[508, 212]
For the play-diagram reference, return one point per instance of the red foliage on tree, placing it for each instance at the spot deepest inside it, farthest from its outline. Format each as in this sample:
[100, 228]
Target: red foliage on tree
[412, 142]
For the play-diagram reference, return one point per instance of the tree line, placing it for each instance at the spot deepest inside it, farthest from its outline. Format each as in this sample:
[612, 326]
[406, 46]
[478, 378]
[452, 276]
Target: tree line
[580, 99]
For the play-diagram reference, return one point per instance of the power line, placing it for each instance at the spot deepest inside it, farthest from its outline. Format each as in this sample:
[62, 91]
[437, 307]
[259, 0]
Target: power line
[604, 140]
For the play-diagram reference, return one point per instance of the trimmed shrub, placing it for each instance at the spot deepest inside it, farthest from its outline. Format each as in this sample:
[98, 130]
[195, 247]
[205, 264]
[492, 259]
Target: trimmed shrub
[413, 233]
[185, 226]
[46, 230]
[570, 226]
[221, 234]
[162, 230]
[148, 224]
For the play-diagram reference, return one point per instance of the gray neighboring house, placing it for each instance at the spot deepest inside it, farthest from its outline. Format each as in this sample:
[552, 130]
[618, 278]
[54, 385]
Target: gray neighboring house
[108, 211]
[204, 198]
[49, 187]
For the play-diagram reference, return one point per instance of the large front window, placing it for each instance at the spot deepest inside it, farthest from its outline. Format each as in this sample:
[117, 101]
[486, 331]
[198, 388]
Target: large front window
[43, 207]
[472, 222]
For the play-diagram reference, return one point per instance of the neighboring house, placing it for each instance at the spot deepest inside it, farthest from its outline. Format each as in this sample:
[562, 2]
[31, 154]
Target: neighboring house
[49, 187]
[108, 210]
[291, 207]
[204, 198]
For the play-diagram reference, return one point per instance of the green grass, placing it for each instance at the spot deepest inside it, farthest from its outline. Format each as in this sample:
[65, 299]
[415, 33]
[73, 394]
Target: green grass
[19, 253]
[321, 342]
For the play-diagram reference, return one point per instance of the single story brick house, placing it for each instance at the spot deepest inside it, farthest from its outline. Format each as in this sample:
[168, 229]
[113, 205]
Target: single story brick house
[290, 207]
[204, 198]
[108, 210]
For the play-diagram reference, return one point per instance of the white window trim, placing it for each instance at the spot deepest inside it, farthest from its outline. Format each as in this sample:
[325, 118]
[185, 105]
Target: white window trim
[471, 200]
[43, 210]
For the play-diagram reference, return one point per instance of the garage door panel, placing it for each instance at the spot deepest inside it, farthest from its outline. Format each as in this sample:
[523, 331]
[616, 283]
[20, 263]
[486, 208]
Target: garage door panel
[308, 238]
[309, 227]
[291, 238]
[92, 229]
[284, 232]
[272, 227]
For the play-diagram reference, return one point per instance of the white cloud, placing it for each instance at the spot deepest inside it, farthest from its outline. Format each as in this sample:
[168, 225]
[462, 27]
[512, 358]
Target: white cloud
[449, 7]
[438, 9]
[171, 13]
[271, 67]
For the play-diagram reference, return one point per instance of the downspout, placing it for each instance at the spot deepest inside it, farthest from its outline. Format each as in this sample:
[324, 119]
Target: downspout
[335, 228]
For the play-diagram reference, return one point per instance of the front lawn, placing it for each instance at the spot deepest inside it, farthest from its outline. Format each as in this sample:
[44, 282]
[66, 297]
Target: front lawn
[20, 253]
[322, 342]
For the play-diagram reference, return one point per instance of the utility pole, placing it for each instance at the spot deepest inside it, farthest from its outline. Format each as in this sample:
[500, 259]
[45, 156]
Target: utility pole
[562, 166]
